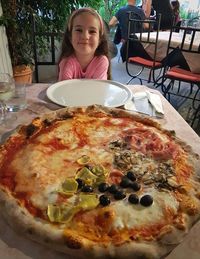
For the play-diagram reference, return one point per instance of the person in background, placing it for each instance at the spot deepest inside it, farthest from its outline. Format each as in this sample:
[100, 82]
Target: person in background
[121, 17]
[84, 52]
[121, 20]
[176, 11]
[162, 7]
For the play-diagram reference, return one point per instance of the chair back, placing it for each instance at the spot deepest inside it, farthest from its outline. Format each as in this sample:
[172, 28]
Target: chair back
[189, 38]
[139, 31]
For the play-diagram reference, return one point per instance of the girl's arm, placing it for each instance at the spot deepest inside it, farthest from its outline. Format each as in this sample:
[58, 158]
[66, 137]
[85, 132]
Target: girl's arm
[65, 70]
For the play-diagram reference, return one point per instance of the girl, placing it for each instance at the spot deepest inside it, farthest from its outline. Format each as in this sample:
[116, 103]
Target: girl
[85, 52]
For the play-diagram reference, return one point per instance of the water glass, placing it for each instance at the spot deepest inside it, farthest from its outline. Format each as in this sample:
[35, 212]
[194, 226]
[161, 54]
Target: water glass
[7, 88]
[18, 101]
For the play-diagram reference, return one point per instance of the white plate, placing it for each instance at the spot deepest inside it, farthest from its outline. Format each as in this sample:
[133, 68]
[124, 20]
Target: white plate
[84, 92]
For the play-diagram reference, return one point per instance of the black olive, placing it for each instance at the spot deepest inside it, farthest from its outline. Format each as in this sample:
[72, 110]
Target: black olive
[104, 200]
[133, 198]
[87, 188]
[125, 182]
[131, 176]
[80, 183]
[146, 200]
[135, 186]
[103, 187]
[113, 188]
[119, 195]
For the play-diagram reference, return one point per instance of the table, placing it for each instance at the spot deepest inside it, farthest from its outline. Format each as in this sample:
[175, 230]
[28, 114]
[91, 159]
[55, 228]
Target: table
[14, 246]
[163, 38]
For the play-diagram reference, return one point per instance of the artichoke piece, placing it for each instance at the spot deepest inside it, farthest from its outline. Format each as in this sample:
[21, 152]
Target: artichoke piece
[61, 214]
[83, 160]
[100, 179]
[53, 212]
[88, 201]
[99, 170]
[67, 213]
[86, 175]
[69, 186]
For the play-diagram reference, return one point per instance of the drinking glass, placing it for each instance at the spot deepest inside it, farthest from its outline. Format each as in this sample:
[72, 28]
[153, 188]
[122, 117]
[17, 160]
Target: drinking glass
[7, 87]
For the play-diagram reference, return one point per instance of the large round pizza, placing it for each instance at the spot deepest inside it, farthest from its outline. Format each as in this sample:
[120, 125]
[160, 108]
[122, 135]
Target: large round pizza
[99, 182]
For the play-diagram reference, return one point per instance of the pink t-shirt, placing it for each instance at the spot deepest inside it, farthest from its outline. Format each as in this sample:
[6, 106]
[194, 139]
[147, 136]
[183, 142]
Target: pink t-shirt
[69, 68]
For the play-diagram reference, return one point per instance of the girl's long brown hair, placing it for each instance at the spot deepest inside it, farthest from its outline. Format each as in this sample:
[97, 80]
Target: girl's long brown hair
[103, 49]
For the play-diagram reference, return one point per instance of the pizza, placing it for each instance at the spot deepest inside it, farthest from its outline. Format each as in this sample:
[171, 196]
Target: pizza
[99, 182]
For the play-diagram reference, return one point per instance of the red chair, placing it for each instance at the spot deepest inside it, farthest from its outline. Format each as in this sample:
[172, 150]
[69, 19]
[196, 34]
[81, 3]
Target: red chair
[141, 60]
[174, 74]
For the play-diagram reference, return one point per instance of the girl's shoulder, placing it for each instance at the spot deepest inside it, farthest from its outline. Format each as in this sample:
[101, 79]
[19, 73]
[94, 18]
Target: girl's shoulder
[71, 58]
[102, 58]
[71, 61]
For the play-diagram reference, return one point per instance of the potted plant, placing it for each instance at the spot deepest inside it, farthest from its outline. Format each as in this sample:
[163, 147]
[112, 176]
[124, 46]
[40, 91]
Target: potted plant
[16, 20]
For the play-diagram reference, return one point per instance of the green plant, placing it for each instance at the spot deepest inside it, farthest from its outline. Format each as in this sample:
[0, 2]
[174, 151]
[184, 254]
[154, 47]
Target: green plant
[16, 19]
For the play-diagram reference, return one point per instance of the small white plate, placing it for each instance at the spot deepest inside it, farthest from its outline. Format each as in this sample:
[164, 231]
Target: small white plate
[84, 92]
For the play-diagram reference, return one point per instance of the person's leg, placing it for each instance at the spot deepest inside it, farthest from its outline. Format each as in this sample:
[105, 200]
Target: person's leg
[136, 49]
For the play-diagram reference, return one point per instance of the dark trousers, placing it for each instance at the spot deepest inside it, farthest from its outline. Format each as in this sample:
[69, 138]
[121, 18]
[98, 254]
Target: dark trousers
[135, 49]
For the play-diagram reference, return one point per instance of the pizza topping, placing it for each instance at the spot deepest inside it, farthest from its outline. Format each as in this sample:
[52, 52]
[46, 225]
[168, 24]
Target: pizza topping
[83, 160]
[104, 200]
[146, 200]
[103, 187]
[124, 159]
[65, 212]
[125, 182]
[61, 214]
[88, 201]
[131, 176]
[69, 186]
[119, 195]
[135, 186]
[87, 188]
[133, 198]
[92, 174]
[113, 188]
[80, 182]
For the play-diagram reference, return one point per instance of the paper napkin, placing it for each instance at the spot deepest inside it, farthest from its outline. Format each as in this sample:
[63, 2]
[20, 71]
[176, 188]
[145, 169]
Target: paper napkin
[146, 102]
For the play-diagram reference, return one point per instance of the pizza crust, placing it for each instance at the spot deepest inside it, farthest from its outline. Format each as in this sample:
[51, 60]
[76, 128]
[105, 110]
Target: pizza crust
[73, 244]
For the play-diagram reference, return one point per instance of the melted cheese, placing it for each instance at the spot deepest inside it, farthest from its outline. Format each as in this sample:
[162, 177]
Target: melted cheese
[62, 132]
[130, 216]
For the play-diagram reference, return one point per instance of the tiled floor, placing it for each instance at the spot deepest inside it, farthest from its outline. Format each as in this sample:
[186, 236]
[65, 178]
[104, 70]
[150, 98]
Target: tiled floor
[119, 74]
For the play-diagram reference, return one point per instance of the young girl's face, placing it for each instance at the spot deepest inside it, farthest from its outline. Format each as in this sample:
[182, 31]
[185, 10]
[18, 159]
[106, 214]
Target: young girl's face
[85, 34]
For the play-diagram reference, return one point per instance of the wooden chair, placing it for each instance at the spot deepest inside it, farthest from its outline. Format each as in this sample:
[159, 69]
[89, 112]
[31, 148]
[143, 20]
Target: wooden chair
[138, 37]
[174, 74]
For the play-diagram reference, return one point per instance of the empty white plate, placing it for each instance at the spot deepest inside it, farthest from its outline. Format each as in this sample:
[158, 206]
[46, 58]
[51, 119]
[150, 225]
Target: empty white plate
[84, 92]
